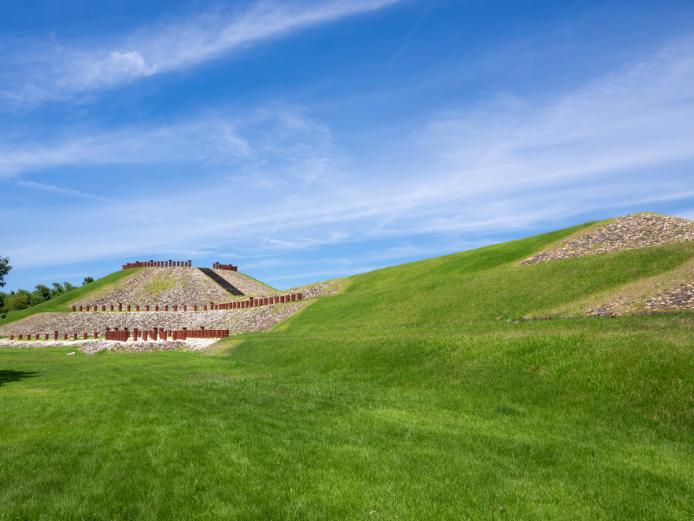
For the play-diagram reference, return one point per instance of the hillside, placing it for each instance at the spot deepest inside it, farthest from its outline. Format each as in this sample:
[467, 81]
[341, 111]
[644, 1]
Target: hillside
[418, 392]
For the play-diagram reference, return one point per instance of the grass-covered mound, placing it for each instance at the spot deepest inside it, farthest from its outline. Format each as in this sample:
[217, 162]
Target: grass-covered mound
[418, 393]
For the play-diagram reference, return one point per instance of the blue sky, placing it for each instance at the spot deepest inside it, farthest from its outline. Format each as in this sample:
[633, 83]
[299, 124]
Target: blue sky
[308, 140]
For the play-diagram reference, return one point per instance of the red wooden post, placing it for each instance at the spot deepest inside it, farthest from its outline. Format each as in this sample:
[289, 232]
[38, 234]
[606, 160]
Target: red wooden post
[144, 335]
[166, 307]
[137, 307]
[55, 335]
[120, 307]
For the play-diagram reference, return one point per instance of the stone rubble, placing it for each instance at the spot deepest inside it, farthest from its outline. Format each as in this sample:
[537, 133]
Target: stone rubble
[236, 321]
[321, 289]
[246, 284]
[95, 346]
[677, 298]
[624, 233]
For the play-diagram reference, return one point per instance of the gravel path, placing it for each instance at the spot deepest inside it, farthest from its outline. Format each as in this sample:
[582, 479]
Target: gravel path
[624, 233]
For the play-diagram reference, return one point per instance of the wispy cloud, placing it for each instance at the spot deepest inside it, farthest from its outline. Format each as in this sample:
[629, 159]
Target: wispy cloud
[44, 187]
[619, 142]
[54, 71]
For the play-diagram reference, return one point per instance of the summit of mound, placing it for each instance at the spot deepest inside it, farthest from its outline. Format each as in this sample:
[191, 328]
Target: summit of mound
[175, 286]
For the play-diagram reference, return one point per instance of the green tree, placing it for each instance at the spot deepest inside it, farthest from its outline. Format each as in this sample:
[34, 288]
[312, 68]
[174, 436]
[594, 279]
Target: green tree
[67, 286]
[4, 269]
[20, 299]
[40, 294]
[87, 280]
[57, 289]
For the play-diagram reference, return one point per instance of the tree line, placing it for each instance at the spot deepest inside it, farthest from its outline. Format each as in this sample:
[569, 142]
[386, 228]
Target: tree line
[22, 298]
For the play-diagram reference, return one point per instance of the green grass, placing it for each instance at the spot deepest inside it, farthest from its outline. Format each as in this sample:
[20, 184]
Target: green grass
[62, 302]
[161, 282]
[418, 393]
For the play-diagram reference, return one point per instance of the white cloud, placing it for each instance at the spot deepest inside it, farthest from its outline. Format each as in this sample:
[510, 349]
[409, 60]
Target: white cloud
[36, 73]
[622, 141]
[207, 140]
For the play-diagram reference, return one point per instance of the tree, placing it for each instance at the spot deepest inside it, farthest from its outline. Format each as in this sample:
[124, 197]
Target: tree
[87, 280]
[40, 294]
[4, 269]
[67, 286]
[57, 289]
[18, 300]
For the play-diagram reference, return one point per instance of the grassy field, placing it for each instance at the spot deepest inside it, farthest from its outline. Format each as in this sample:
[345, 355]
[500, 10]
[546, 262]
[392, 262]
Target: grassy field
[418, 393]
[62, 302]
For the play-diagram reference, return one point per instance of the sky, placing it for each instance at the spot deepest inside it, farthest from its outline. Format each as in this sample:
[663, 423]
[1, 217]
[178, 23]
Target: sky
[306, 140]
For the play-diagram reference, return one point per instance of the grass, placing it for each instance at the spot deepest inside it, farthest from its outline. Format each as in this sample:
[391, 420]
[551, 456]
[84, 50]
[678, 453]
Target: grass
[62, 302]
[415, 394]
[160, 283]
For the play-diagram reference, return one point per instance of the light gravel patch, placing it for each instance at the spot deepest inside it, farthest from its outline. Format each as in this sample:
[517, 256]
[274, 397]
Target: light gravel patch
[321, 289]
[95, 346]
[624, 233]
[245, 284]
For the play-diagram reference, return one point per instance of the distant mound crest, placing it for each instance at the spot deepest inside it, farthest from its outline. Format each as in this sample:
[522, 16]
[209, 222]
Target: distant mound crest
[623, 233]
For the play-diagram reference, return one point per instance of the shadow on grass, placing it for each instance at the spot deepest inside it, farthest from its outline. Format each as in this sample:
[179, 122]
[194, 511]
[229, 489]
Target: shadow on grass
[7, 376]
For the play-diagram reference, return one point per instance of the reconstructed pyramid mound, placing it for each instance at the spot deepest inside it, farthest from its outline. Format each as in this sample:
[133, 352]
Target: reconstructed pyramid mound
[624, 233]
[175, 286]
